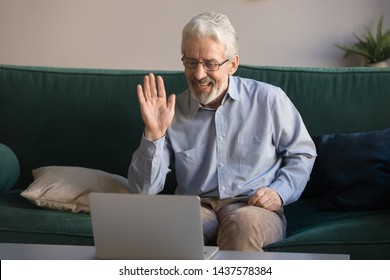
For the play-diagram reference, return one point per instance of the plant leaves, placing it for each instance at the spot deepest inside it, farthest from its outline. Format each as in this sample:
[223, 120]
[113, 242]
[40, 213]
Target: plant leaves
[374, 48]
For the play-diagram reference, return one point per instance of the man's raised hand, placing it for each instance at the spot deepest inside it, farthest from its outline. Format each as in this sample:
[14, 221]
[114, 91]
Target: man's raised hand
[157, 111]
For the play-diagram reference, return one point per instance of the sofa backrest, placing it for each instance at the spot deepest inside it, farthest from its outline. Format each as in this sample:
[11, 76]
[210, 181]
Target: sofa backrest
[74, 117]
[333, 100]
[91, 118]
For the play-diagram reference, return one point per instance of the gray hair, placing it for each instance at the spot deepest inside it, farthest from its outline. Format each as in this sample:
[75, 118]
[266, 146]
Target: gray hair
[215, 26]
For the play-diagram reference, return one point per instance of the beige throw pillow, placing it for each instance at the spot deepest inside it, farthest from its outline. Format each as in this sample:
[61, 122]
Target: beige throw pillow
[67, 188]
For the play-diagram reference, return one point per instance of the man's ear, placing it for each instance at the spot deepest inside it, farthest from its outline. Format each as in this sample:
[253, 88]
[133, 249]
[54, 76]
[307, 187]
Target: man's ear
[233, 65]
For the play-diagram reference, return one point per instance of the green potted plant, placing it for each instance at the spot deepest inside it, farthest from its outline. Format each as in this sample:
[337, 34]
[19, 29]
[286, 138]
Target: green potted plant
[374, 49]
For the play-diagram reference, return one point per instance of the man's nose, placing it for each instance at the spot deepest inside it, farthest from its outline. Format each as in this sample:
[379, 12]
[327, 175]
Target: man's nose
[199, 72]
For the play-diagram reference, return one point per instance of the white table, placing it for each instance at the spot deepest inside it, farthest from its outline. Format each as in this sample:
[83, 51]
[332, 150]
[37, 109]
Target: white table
[14, 251]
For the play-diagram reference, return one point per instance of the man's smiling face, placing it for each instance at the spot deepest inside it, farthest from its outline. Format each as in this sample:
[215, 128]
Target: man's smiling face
[207, 87]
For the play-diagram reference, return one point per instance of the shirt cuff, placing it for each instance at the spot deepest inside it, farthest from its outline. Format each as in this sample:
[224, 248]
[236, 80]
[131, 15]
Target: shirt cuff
[150, 148]
[283, 190]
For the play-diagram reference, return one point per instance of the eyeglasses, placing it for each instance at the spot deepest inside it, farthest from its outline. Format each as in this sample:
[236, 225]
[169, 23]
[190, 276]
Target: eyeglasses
[208, 65]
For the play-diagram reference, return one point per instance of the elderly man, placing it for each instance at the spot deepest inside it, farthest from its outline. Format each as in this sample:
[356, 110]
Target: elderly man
[239, 144]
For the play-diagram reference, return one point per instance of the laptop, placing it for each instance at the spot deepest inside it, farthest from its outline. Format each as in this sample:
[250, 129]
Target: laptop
[145, 227]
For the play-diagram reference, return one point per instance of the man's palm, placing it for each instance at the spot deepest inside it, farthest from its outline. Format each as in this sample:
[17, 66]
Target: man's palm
[157, 111]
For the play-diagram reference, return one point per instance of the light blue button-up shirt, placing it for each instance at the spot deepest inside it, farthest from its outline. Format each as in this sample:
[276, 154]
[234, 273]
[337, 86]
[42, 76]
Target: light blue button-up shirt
[255, 138]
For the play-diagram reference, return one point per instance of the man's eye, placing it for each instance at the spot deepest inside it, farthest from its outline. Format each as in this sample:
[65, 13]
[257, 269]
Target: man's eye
[211, 64]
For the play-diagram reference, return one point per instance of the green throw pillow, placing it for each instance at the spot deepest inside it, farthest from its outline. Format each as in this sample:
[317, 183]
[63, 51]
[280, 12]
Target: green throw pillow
[9, 168]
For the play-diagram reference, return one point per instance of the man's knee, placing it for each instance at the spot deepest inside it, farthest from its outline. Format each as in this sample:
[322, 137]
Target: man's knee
[249, 228]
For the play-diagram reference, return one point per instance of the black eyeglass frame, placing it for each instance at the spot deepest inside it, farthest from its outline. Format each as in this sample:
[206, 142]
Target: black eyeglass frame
[216, 64]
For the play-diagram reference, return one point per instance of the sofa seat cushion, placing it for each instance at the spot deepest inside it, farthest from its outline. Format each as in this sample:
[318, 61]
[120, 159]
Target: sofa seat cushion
[23, 222]
[313, 231]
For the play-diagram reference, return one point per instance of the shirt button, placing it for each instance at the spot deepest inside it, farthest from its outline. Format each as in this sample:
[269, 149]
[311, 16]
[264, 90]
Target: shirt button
[223, 188]
[151, 149]
[220, 138]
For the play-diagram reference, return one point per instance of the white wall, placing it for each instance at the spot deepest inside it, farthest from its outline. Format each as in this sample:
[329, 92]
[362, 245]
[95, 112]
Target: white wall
[125, 34]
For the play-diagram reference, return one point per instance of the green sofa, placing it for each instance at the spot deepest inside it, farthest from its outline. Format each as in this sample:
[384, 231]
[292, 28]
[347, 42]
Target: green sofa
[90, 118]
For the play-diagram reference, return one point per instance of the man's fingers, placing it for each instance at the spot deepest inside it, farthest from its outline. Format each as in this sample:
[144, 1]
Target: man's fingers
[146, 88]
[266, 198]
[171, 101]
[140, 94]
[152, 85]
[254, 199]
[260, 201]
[160, 87]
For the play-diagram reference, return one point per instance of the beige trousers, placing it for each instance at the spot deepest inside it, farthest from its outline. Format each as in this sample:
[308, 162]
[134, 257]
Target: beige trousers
[232, 224]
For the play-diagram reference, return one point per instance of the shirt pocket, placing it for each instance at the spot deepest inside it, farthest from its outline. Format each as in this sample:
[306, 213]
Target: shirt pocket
[188, 163]
[253, 150]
